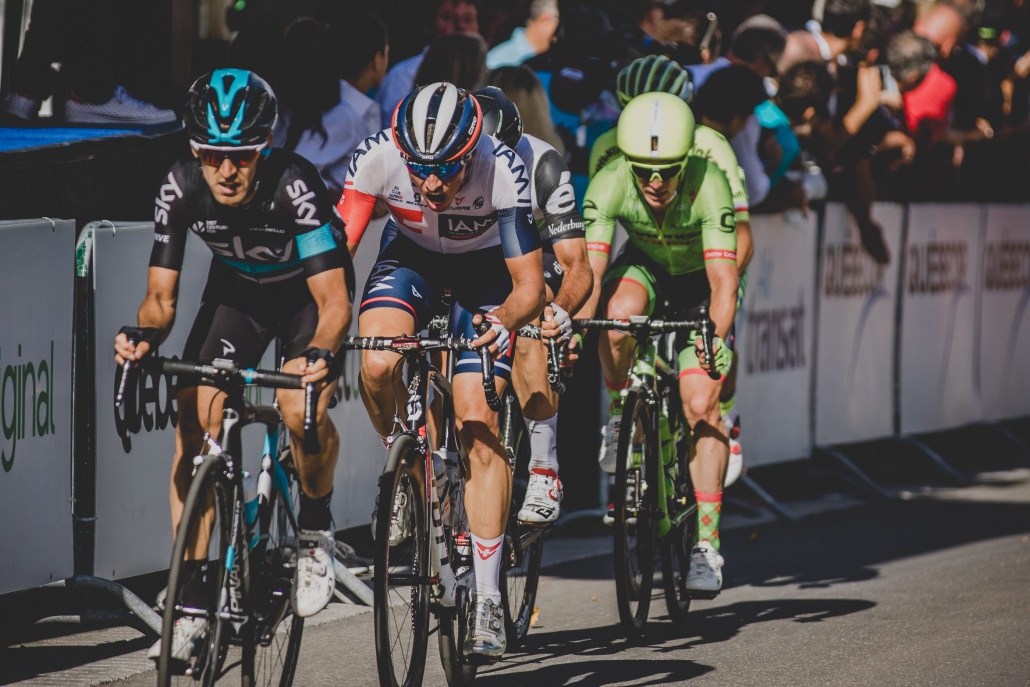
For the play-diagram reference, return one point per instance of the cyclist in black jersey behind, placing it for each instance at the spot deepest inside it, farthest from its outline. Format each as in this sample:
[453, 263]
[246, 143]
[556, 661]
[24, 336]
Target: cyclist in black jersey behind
[568, 280]
[278, 270]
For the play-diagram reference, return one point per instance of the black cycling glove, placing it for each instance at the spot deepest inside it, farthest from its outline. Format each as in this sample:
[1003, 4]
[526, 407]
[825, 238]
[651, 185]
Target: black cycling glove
[137, 335]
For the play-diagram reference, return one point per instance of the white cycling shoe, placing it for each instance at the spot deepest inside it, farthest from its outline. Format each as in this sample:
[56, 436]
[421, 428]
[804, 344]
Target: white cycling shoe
[704, 578]
[543, 498]
[187, 634]
[315, 580]
[485, 638]
[400, 521]
[610, 443]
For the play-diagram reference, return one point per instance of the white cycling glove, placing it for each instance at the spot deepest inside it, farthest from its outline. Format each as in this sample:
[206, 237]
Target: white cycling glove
[504, 337]
[564, 322]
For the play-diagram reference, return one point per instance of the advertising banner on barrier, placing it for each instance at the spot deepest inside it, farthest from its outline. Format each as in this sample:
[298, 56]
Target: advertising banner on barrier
[939, 339]
[1005, 313]
[135, 443]
[774, 340]
[858, 300]
[36, 281]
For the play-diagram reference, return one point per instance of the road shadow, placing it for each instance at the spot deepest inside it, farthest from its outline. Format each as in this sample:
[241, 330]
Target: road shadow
[594, 657]
[840, 546]
[19, 663]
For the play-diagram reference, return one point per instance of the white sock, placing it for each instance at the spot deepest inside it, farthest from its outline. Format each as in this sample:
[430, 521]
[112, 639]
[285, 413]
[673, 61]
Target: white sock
[486, 559]
[543, 443]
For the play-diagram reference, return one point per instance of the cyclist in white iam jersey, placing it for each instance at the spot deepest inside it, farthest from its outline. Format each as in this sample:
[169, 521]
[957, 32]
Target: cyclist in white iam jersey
[461, 218]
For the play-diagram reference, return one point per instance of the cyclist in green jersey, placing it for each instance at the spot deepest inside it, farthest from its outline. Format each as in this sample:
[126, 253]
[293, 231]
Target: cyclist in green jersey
[659, 73]
[677, 210]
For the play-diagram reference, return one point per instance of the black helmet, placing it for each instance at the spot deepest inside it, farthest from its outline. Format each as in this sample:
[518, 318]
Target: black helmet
[436, 124]
[500, 115]
[230, 108]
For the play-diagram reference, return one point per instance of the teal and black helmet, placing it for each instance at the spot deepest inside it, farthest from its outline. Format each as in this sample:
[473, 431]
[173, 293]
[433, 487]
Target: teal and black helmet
[230, 108]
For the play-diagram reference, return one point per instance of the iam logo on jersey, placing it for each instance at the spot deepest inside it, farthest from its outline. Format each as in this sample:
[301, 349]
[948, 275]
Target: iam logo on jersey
[463, 227]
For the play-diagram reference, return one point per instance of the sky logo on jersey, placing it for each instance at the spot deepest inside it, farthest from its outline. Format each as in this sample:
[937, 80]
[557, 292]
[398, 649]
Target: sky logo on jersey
[301, 196]
[165, 195]
[462, 228]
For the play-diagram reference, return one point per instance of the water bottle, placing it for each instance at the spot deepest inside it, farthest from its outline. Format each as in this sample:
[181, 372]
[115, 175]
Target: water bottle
[250, 507]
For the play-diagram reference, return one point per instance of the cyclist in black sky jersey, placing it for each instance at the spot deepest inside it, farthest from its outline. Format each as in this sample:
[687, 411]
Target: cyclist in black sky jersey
[279, 269]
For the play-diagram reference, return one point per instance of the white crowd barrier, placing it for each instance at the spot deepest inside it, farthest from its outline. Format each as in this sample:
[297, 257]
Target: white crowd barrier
[774, 339]
[36, 290]
[858, 307]
[939, 318]
[833, 349]
[135, 443]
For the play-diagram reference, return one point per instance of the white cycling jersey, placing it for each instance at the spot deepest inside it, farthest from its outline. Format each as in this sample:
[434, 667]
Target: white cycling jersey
[493, 206]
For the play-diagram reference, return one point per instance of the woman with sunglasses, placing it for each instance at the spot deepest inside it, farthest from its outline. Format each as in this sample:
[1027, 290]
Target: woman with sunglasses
[678, 212]
[278, 270]
[461, 218]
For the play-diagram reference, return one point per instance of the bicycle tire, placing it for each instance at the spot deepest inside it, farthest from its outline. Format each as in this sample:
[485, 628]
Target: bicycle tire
[271, 647]
[676, 545]
[635, 503]
[459, 671]
[520, 568]
[400, 582]
[208, 483]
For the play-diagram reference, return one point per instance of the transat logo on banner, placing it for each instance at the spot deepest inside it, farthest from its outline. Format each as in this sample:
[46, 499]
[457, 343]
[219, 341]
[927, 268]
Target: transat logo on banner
[776, 338]
[149, 404]
[26, 399]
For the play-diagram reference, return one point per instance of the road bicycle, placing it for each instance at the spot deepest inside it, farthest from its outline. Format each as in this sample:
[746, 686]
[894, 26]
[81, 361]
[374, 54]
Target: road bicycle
[653, 504]
[423, 579]
[243, 591]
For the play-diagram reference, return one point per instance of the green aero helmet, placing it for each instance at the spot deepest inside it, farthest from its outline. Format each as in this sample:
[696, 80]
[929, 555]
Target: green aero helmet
[656, 128]
[653, 73]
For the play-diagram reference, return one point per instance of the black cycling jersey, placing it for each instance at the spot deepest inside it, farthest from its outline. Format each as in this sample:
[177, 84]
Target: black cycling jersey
[288, 231]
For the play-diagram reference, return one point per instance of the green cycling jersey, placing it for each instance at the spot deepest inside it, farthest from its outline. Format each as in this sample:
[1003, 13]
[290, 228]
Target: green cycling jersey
[699, 224]
[708, 143]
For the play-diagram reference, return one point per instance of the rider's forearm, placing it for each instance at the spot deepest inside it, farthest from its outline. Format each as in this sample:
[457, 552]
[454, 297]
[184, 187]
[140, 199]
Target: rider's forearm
[588, 310]
[723, 306]
[157, 311]
[522, 306]
[333, 322]
[575, 289]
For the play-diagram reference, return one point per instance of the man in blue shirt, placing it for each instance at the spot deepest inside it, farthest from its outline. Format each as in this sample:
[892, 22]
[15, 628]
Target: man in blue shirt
[525, 42]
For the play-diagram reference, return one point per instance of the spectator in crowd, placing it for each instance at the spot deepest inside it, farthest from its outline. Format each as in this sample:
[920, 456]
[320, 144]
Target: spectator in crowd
[102, 49]
[529, 40]
[577, 74]
[327, 72]
[458, 58]
[524, 89]
[441, 17]
[841, 30]
[926, 91]
[943, 25]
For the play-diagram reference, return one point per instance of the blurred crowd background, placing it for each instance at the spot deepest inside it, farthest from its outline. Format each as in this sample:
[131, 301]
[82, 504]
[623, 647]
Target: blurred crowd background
[850, 100]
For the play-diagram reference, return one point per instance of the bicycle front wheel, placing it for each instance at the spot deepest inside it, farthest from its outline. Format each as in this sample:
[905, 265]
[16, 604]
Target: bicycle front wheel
[195, 583]
[401, 579]
[635, 501]
[272, 643]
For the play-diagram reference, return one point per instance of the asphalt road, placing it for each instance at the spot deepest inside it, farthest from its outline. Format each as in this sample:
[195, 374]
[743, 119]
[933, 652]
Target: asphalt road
[933, 589]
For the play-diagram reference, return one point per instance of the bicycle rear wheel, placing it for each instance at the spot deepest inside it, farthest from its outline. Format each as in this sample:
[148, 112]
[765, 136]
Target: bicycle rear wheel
[460, 671]
[523, 546]
[401, 580]
[272, 643]
[635, 501]
[676, 545]
[194, 587]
